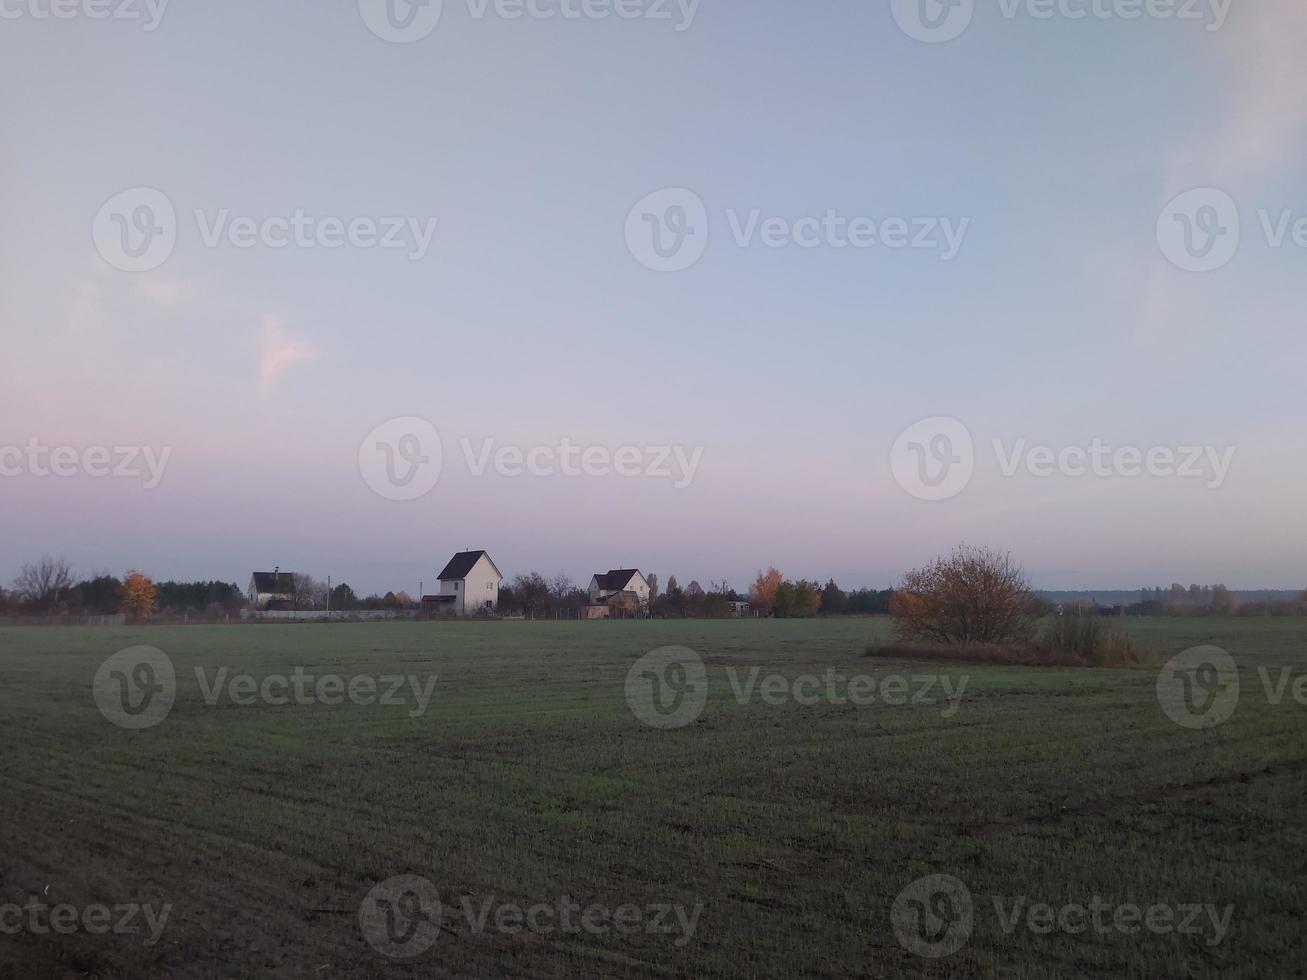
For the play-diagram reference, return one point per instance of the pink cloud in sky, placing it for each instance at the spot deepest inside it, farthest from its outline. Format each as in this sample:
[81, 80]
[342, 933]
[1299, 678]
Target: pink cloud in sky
[1268, 102]
[164, 292]
[1257, 132]
[279, 350]
[1263, 115]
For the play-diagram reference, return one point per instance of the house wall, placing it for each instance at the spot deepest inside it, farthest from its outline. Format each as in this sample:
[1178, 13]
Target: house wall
[261, 599]
[453, 587]
[638, 585]
[480, 586]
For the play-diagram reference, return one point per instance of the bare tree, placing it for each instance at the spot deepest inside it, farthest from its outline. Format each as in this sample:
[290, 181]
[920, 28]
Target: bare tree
[972, 595]
[307, 592]
[532, 592]
[42, 584]
[561, 586]
[693, 600]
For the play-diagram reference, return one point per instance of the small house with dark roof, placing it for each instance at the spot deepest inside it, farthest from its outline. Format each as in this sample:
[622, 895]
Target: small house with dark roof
[272, 590]
[605, 585]
[469, 584]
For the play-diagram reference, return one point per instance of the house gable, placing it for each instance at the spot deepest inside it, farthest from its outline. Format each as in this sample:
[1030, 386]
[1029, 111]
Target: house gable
[616, 581]
[471, 580]
[462, 564]
[272, 583]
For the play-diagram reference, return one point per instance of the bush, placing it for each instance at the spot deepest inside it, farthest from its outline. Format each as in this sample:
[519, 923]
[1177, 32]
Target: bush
[1025, 654]
[993, 654]
[972, 595]
[1064, 641]
[1091, 639]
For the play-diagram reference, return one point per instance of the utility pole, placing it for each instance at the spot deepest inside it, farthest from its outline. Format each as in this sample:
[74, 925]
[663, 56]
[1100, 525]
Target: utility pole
[328, 596]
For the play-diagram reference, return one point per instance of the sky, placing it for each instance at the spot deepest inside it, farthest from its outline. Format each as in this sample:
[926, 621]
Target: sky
[832, 287]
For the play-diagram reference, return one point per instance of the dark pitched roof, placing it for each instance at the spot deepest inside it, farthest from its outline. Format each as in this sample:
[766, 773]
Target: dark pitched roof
[461, 564]
[616, 579]
[272, 584]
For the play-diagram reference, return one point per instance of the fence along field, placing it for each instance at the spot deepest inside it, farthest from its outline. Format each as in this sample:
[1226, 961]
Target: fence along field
[785, 829]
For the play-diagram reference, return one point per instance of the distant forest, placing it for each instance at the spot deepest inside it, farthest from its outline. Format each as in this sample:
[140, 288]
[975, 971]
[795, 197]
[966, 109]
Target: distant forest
[1179, 595]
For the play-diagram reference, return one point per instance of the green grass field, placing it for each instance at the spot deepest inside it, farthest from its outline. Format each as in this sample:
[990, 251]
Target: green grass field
[783, 831]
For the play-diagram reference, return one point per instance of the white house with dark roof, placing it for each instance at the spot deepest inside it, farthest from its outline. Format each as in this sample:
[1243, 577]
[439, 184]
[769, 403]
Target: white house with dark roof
[605, 585]
[272, 590]
[469, 584]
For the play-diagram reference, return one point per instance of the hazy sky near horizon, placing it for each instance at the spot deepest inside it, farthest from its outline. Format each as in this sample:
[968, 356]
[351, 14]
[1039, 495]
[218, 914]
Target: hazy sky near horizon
[1059, 317]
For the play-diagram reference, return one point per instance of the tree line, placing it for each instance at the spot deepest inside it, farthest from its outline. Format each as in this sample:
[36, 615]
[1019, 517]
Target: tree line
[1195, 600]
[49, 587]
[771, 594]
[1211, 600]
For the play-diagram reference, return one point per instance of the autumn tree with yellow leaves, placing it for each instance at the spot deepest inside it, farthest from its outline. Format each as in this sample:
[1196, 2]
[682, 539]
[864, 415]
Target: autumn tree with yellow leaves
[139, 596]
[762, 594]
